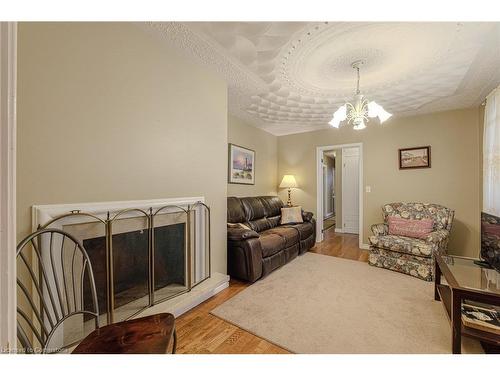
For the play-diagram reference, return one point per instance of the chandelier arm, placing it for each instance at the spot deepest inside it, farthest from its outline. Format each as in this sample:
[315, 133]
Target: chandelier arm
[357, 87]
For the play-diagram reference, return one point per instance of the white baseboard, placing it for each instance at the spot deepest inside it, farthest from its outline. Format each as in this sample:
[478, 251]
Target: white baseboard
[338, 230]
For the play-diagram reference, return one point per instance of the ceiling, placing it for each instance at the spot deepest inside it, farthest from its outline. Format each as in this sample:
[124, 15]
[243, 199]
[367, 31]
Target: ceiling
[289, 77]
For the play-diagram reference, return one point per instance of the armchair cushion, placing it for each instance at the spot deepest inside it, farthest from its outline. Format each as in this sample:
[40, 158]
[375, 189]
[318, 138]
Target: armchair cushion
[410, 264]
[406, 245]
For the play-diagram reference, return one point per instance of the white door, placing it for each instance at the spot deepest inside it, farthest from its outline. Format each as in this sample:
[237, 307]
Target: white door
[350, 190]
[325, 191]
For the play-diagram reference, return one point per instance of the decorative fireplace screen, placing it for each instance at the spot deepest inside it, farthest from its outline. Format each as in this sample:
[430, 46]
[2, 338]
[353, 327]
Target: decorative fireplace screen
[141, 257]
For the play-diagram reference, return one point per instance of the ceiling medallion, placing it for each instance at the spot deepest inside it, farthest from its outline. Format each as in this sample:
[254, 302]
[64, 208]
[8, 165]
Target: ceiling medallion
[359, 112]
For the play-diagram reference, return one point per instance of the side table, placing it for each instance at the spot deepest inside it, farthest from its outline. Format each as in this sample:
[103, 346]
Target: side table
[465, 280]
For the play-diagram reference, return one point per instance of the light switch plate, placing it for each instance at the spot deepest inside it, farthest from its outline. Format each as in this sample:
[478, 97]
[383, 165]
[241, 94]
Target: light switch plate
[368, 189]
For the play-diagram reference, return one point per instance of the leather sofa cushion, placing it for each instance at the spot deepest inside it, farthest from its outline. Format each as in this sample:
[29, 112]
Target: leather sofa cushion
[254, 209]
[259, 225]
[271, 244]
[274, 221]
[305, 229]
[272, 205]
[273, 262]
[235, 213]
[290, 235]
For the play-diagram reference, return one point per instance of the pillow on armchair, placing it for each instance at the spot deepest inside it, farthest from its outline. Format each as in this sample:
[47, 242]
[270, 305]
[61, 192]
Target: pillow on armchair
[399, 226]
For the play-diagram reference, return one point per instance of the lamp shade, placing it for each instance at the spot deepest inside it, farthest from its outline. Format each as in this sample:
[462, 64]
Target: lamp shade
[288, 181]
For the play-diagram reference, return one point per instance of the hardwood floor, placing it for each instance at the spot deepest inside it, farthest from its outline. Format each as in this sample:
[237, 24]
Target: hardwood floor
[341, 245]
[200, 332]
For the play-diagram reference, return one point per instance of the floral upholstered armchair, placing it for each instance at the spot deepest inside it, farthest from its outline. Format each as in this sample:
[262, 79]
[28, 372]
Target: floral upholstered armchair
[413, 256]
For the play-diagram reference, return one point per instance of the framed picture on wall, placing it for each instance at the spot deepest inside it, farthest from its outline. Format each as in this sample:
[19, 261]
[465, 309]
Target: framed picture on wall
[415, 157]
[241, 168]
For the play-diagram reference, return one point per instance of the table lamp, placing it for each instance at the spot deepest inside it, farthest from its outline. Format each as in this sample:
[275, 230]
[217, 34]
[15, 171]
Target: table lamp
[289, 182]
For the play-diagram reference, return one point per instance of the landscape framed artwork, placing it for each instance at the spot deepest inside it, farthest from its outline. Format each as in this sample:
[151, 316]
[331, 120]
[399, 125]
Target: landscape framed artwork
[241, 165]
[415, 157]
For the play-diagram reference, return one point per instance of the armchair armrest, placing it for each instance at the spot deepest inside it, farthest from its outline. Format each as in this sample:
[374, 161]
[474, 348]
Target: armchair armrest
[440, 238]
[380, 229]
[437, 236]
[307, 216]
[240, 234]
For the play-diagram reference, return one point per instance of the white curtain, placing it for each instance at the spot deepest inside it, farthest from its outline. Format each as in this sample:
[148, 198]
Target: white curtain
[491, 154]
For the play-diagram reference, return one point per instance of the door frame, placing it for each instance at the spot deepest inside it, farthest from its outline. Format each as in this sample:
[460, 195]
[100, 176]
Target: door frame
[325, 183]
[8, 84]
[319, 189]
[343, 188]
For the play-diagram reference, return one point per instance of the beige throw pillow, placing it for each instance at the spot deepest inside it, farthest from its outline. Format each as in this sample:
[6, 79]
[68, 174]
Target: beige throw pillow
[291, 215]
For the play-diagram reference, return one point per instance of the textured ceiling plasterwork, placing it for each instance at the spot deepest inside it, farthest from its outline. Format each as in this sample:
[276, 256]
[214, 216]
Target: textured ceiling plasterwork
[242, 83]
[289, 77]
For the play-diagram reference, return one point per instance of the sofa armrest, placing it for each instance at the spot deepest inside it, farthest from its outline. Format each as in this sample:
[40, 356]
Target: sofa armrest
[240, 234]
[244, 258]
[380, 229]
[307, 216]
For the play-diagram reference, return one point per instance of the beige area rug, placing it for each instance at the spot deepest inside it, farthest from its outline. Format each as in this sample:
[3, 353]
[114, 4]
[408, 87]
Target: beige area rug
[323, 304]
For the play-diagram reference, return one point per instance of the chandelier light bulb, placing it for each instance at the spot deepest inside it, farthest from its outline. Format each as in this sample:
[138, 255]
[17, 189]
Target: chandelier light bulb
[360, 110]
[339, 116]
[376, 110]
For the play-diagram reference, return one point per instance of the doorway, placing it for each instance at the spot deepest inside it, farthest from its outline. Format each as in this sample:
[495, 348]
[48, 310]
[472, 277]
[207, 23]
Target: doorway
[339, 190]
[329, 170]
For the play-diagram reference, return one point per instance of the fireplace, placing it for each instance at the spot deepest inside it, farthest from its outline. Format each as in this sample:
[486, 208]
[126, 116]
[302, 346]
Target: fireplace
[142, 253]
[131, 266]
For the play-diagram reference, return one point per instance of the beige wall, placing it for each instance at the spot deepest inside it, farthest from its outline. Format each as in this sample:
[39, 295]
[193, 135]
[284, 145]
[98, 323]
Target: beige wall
[453, 180]
[107, 112]
[266, 158]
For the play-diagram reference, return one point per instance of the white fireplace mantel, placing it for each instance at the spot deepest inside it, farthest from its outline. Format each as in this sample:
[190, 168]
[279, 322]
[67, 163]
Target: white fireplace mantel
[42, 214]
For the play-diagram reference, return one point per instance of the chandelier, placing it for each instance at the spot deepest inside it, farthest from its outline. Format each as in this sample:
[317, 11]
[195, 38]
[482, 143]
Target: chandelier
[358, 112]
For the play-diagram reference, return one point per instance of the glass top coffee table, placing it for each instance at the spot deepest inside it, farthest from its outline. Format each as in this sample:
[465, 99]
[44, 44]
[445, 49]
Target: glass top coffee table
[465, 280]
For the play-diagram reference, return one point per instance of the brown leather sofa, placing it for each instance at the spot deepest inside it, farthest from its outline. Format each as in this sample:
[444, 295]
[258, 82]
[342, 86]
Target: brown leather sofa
[266, 245]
